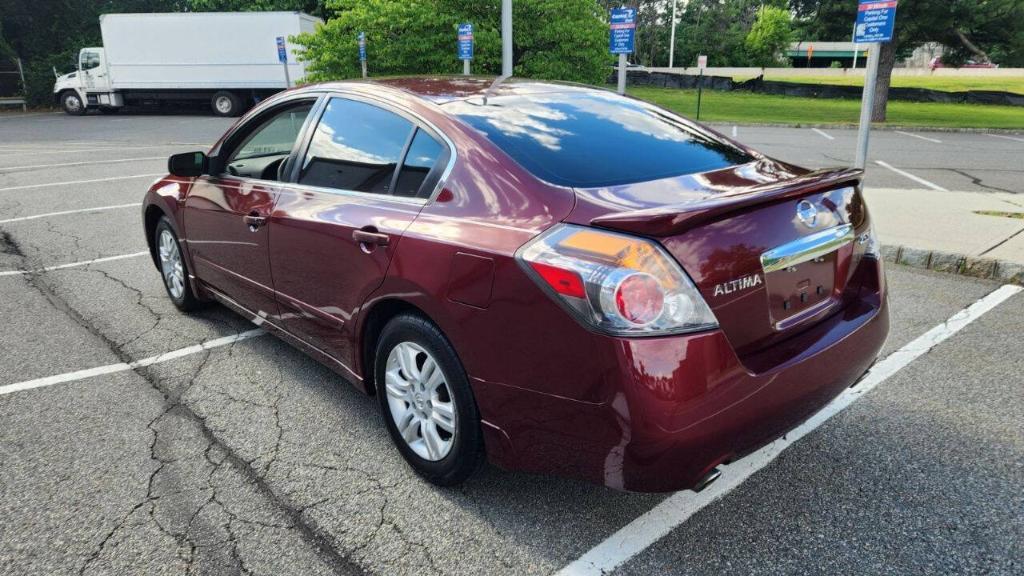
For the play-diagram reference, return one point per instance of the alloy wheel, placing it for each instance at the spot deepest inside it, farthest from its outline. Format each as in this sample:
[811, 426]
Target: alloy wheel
[171, 265]
[223, 104]
[420, 402]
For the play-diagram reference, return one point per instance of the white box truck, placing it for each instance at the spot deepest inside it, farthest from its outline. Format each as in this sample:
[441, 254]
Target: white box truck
[229, 59]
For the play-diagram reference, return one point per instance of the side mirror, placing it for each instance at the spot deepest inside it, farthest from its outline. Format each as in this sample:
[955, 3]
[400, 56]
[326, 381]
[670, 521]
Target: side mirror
[188, 164]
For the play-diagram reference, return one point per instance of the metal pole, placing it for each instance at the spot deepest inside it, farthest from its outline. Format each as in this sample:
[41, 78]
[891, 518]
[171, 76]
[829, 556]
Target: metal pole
[465, 67]
[700, 88]
[364, 68]
[867, 104]
[672, 41]
[506, 38]
[622, 73]
[24, 87]
[856, 47]
[287, 78]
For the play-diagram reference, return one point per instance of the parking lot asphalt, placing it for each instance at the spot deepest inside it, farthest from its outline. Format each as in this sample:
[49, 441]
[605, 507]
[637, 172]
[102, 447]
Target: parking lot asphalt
[248, 457]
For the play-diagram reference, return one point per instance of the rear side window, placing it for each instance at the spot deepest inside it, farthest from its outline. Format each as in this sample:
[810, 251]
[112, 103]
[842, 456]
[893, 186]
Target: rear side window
[424, 153]
[356, 146]
[594, 139]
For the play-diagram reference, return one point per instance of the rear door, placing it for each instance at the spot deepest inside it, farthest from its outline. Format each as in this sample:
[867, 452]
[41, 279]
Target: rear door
[367, 171]
[226, 213]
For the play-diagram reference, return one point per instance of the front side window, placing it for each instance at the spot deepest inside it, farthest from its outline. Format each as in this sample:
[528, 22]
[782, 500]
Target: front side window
[262, 153]
[356, 146]
[90, 60]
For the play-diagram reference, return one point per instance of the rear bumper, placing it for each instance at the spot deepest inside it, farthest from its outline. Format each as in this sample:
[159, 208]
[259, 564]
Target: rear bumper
[682, 405]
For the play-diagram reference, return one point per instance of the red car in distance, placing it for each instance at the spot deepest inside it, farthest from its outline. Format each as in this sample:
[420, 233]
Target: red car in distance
[550, 276]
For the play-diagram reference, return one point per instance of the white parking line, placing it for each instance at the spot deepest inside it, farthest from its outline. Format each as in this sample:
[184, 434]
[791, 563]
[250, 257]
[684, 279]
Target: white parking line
[734, 131]
[6, 168]
[636, 536]
[66, 212]
[917, 179]
[123, 366]
[918, 136]
[822, 133]
[1015, 139]
[72, 264]
[73, 182]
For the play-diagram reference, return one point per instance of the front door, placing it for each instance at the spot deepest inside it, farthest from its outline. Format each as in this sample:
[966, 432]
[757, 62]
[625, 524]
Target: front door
[334, 232]
[226, 213]
[93, 69]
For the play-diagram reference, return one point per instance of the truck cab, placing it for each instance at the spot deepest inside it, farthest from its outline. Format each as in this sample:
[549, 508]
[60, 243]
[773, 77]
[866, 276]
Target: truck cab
[89, 86]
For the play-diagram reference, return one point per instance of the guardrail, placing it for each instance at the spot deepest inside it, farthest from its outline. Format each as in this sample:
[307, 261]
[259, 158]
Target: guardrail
[18, 99]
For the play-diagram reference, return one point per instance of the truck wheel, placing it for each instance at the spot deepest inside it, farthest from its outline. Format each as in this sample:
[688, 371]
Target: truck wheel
[72, 103]
[226, 104]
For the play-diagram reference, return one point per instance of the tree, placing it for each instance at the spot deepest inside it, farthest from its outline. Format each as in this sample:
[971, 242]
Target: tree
[566, 40]
[978, 29]
[769, 36]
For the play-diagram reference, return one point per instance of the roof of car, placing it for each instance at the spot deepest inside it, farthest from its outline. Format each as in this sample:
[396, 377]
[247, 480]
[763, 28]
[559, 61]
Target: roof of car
[442, 89]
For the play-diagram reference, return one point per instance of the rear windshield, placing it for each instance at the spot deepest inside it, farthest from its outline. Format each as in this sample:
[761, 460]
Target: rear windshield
[594, 139]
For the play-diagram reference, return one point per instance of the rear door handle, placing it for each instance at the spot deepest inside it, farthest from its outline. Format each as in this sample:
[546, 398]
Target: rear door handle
[254, 221]
[371, 238]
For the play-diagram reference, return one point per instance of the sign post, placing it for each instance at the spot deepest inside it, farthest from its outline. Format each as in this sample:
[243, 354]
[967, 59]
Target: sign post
[465, 46]
[875, 23]
[702, 63]
[282, 57]
[623, 27]
[362, 51]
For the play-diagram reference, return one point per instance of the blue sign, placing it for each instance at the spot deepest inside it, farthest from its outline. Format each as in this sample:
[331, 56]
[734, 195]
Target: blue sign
[875, 21]
[362, 46]
[465, 41]
[282, 54]
[623, 26]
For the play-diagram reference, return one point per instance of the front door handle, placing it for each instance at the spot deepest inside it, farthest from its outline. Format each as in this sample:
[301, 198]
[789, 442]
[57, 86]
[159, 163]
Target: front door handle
[254, 221]
[370, 239]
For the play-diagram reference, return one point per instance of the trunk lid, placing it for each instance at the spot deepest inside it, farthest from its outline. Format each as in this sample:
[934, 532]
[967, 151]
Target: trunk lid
[771, 250]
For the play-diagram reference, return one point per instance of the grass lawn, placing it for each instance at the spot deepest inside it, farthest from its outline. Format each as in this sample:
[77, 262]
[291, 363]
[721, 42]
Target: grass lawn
[746, 107]
[945, 83]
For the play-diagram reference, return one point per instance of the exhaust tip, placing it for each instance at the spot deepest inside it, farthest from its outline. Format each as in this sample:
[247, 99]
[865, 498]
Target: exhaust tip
[704, 482]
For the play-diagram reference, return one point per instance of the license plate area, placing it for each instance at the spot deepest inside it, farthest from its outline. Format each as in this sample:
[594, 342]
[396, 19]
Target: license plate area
[801, 290]
[800, 276]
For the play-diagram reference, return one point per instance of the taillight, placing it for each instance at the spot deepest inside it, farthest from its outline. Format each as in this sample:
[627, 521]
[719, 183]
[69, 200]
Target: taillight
[618, 284]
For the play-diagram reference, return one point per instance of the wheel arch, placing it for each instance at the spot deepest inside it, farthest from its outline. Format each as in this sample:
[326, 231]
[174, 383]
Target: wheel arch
[378, 315]
[151, 218]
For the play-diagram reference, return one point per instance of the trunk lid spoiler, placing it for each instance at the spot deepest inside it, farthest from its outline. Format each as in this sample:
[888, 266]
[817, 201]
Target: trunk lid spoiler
[676, 218]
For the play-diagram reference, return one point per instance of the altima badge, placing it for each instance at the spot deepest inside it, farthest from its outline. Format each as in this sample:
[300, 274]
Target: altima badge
[807, 213]
[738, 284]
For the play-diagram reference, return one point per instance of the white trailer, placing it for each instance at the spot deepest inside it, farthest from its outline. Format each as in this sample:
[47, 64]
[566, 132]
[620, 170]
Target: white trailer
[229, 59]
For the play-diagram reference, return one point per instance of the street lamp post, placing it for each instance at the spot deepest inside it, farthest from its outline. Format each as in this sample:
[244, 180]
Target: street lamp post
[506, 37]
[672, 40]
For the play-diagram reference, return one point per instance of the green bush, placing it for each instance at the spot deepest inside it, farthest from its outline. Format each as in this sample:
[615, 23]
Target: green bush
[563, 40]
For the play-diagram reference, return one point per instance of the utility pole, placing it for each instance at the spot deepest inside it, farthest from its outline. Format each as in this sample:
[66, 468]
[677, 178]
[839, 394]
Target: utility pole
[672, 41]
[506, 37]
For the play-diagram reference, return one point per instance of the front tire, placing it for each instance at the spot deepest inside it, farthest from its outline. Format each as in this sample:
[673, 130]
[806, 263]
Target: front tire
[72, 103]
[426, 401]
[226, 103]
[173, 268]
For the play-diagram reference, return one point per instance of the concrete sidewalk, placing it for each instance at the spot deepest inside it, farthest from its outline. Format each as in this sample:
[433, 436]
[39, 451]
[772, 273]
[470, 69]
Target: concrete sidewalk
[943, 230]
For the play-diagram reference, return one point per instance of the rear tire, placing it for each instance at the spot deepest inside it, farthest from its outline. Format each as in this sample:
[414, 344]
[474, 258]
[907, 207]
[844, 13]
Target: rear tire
[72, 103]
[173, 268]
[423, 390]
[226, 103]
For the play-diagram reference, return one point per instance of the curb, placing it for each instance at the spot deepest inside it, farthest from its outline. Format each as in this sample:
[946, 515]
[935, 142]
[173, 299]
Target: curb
[885, 128]
[986, 268]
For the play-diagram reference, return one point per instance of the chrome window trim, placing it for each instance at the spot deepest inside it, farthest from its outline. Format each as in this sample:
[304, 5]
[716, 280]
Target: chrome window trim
[296, 187]
[807, 248]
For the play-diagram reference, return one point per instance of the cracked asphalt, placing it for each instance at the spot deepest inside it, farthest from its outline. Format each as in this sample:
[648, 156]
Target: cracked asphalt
[251, 458]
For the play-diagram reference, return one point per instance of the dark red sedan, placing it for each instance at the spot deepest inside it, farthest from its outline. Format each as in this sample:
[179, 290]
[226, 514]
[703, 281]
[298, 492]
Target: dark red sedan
[551, 276]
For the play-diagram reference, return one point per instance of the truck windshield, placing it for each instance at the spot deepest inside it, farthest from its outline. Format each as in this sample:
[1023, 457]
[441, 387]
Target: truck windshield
[594, 139]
